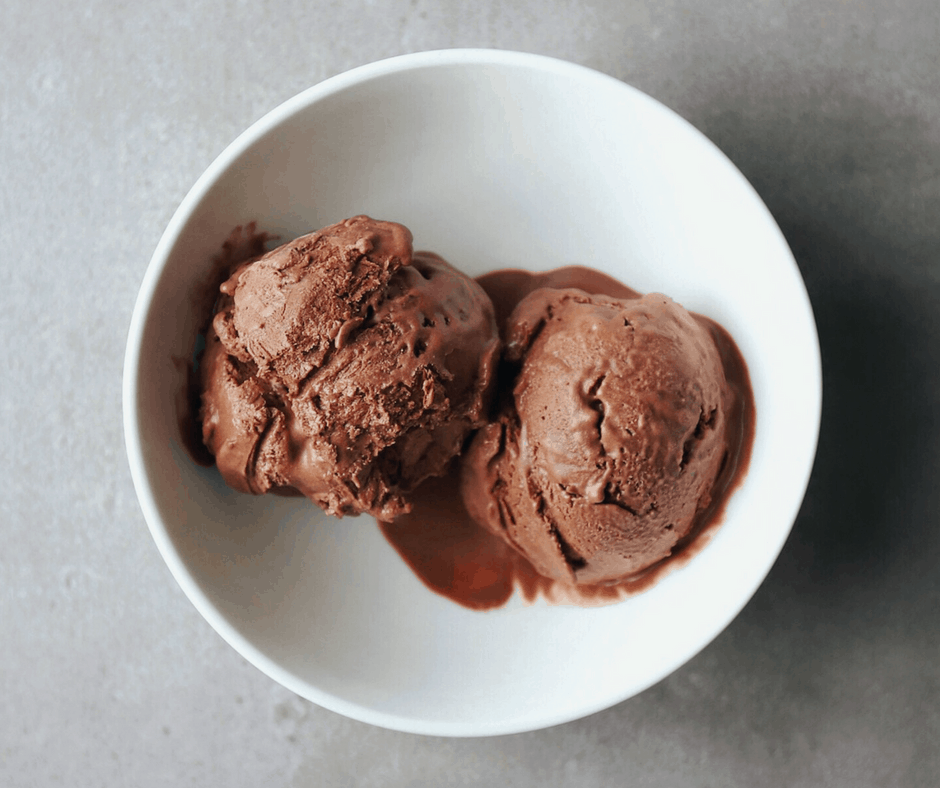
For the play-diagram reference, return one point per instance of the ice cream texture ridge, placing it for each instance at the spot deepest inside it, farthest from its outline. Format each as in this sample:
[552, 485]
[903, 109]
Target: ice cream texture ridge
[596, 431]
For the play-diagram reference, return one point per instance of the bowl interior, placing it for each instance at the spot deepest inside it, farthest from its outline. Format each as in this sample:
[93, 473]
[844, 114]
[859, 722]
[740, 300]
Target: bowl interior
[493, 160]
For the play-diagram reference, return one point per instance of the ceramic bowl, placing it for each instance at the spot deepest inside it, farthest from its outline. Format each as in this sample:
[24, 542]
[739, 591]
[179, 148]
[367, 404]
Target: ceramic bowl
[493, 159]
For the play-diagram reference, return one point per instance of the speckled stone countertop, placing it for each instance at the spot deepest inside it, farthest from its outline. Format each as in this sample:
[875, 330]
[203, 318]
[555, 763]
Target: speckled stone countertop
[108, 114]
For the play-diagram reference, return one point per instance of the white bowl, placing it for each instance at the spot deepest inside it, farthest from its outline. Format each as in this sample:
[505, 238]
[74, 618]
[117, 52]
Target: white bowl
[493, 159]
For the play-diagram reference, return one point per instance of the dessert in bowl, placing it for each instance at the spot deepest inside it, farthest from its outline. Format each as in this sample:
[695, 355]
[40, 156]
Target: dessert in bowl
[494, 160]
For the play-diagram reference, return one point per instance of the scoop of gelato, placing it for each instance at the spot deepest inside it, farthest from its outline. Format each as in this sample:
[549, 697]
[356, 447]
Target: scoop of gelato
[607, 448]
[347, 367]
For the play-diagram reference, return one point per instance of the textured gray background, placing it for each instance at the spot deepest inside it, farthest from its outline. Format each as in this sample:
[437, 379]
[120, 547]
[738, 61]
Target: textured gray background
[109, 111]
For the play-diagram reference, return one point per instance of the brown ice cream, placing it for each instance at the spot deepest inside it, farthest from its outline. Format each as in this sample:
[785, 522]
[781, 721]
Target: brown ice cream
[605, 452]
[347, 367]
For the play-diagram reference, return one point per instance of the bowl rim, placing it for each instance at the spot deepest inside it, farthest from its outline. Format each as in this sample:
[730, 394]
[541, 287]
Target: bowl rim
[141, 313]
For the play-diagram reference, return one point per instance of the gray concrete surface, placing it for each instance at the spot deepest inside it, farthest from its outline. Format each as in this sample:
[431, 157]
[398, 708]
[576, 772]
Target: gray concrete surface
[109, 111]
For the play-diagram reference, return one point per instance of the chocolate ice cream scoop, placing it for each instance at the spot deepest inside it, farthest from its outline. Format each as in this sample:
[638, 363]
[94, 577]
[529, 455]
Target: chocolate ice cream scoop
[606, 450]
[347, 367]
